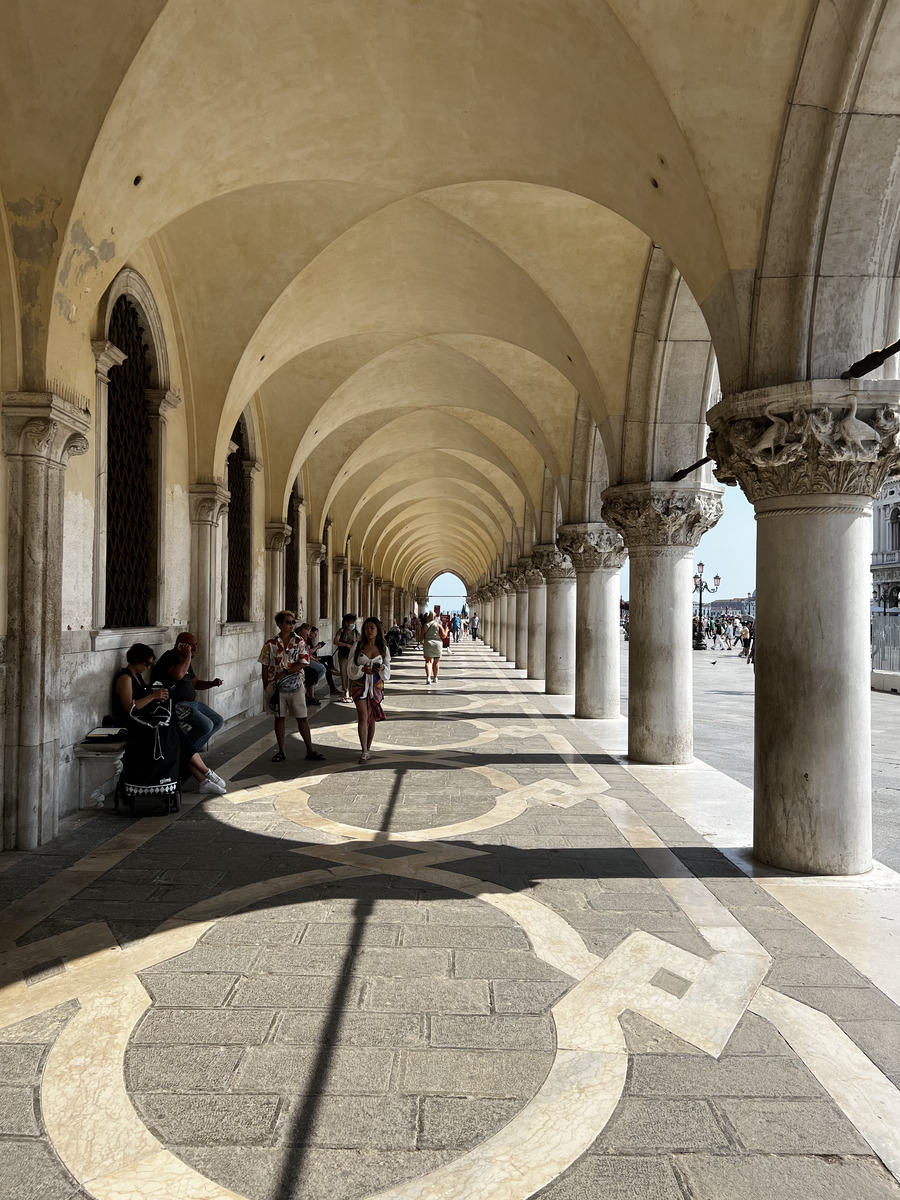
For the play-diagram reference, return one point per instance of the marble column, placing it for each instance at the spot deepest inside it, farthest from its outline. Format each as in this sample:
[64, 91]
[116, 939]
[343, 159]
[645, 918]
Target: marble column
[387, 603]
[560, 619]
[41, 432]
[355, 604]
[489, 616]
[508, 628]
[368, 604]
[339, 564]
[811, 457]
[208, 510]
[315, 556]
[537, 622]
[661, 524]
[521, 586]
[278, 534]
[377, 586]
[597, 554]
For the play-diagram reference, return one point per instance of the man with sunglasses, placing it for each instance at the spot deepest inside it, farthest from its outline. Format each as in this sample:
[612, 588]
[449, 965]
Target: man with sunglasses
[282, 660]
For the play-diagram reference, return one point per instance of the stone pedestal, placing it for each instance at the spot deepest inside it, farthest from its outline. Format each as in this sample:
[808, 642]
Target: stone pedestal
[41, 433]
[559, 664]
[811, 456]
[521, 586]
[537, 623]
[661, 524]
[597, 553]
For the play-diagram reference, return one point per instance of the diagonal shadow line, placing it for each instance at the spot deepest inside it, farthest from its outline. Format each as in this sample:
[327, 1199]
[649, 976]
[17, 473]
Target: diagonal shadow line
[304, 1121]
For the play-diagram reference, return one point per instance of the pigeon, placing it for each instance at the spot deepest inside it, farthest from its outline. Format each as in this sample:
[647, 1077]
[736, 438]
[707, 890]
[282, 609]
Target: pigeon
[714, 661]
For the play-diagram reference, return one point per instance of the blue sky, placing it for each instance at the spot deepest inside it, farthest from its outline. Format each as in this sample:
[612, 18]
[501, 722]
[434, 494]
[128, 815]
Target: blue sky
[729, 550]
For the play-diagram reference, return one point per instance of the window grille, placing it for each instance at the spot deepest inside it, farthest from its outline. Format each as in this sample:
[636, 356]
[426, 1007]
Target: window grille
[292, 558]
[128, 485]
[239, 531]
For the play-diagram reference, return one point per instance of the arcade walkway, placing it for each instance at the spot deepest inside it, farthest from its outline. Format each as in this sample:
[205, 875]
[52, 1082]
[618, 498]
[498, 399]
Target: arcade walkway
[494, 963]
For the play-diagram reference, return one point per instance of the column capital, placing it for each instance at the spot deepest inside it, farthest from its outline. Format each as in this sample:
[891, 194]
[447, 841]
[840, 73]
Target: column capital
[388, 584]
[339, 563]
[377, 581]
[208, 500]
[160, 402]
[554, 564]
[661, 514]
[520, 575]
[505, 583]
[592, 546]
[356, 572]
[367, 577]
[107, 356]
[816, 437]
[42, 425]
[278, 534]
[315, 553]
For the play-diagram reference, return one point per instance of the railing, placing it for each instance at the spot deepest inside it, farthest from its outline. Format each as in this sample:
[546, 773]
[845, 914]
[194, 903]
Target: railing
[886, 642]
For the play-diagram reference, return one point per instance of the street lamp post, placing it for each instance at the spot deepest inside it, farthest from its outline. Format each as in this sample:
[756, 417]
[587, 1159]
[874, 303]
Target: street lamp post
[701, 586]
[749, 604]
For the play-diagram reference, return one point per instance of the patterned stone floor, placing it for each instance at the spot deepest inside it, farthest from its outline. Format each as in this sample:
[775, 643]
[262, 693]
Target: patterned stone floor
[494, 963]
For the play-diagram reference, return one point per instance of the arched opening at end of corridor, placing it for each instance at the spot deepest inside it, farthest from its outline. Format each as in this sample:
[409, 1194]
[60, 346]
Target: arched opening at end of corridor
[447, 592]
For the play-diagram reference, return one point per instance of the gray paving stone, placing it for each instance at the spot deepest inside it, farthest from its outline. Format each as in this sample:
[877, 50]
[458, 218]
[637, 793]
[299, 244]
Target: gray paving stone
[324, 933]
[493, 1033]
[181, 1068]
[880, 1040]
[17, 1112]
[652, 1126]
[797, 941]
[814, 972]
[428, 995]
[846, 1004]
[31, 1171]
[353, 1122]
[205, 957]
[183, 989]
[241, 933]
[20, 1063]
[596, 1177]
[764, 1176]
[352, 1028]
[753, 1035]
[520, 997]
[294, 1069]
[291, 991]
[42, 1029]
[473, 1072]
[468, 937]
[397, 962]
[212, 1120]
[450, 1121]
[793, 1127]
[504, 964]
[753, 1075]
[465, 912]
[633, 902]
[203, 1026]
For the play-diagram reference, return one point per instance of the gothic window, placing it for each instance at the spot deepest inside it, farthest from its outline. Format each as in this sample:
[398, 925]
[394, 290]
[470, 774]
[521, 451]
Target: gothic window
[239, 526]
[129, 491]
[291, 557]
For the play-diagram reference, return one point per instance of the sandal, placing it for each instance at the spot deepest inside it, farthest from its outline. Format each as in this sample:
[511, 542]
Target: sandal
[315, 756]
[279, 757]
[364, 758]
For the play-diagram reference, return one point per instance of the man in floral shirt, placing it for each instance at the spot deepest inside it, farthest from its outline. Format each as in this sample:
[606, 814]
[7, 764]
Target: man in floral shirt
[282, 660]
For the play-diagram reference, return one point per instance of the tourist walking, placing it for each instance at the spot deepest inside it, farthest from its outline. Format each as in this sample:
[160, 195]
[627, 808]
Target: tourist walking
[432, 646]
[345, 641]
[369, 667]
[282, 660]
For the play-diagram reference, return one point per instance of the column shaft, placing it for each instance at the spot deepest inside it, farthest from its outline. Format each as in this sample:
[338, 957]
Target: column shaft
[560, 660]
[537, 627]
[597, 644]
[522, 629]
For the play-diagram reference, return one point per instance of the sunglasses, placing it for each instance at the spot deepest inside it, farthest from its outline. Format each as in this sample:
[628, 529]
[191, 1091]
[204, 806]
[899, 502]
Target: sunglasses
[289, 622]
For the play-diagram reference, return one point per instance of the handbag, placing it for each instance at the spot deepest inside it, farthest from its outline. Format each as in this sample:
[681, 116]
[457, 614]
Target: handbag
[290, 683]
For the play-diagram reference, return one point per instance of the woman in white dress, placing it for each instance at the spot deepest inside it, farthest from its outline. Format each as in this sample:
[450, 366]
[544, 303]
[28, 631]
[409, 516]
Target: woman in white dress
[432, 646]
[369, 667]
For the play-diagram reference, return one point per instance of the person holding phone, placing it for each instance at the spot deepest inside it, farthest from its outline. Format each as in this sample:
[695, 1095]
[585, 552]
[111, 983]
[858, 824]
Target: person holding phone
[345, 641]
[282, 660]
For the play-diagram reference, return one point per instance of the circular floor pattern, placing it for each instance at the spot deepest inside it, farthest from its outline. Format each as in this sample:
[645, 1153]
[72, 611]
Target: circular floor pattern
[408, 796]
[281, 1061]
[425, 735]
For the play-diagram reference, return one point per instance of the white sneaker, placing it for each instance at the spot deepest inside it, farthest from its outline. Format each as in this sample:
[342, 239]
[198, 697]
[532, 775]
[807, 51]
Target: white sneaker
[210, 788]
[214, 778]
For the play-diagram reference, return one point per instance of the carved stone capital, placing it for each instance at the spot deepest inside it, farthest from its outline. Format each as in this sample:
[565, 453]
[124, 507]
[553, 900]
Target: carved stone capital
[161, 402]
[207, 502]
[278, 534]
[44, 426]
[553, 563]
[107, 356]
[339, 563]
[661, 514]
[591, 545]
[315, 553]
[368, 578]
[356, 573]
[822, 436]
[378, 581]
[505, 584]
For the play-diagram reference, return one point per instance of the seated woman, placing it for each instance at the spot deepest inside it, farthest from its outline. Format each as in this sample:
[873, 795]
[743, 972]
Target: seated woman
[157, 753]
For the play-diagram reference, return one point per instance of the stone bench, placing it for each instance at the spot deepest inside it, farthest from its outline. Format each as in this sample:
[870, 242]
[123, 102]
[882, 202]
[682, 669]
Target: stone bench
[99, 768]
